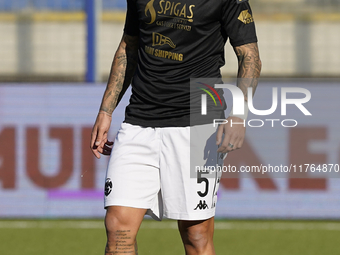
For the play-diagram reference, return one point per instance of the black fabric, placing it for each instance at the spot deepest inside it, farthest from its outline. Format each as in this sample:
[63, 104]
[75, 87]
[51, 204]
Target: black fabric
[179, 41]
[131, 21]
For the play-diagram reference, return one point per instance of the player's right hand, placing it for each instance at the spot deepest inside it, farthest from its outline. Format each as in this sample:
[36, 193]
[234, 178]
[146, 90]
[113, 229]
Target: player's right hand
[233, 135]
[99, 143]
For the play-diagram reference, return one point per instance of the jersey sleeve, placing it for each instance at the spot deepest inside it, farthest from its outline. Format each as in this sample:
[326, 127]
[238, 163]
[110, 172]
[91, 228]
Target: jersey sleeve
[131, 26]
[238, 22]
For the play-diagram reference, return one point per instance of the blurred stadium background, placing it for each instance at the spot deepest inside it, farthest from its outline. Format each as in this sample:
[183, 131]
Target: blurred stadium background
[48, 106]
[45, 40]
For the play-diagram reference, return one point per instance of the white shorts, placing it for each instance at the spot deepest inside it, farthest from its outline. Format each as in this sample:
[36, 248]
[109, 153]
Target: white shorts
[158, 169]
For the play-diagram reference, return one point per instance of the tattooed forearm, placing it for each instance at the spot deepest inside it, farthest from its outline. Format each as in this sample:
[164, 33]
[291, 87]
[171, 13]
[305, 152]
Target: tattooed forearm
[249, 67]
[122, 70]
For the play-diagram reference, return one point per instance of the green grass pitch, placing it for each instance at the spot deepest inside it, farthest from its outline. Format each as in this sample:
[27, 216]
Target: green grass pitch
[73, 237]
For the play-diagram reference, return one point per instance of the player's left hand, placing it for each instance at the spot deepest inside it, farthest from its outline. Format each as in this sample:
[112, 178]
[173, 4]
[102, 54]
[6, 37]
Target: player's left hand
[233, 135]
[99, 142]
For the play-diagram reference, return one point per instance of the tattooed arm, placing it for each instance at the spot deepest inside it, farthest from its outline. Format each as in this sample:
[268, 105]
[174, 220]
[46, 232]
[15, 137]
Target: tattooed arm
[249, 67]
[248, 73]
[122, 71]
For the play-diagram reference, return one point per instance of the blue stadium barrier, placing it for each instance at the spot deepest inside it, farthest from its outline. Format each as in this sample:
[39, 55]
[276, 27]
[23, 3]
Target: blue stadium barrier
[56, 5]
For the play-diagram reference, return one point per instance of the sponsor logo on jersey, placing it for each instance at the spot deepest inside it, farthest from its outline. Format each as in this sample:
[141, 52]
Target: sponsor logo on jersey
[108, 186]
[149, 9]
[202, 205]
[245, 17]
[170, 9]
[159, 40]
[163, 53]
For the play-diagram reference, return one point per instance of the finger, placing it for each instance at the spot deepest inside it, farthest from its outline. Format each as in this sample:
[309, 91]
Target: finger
[230, 143]
[100, 137]
[231, 146]
[237, 141]
[238, 144]
[102, 144]
[224, 148]
[93, 137]
[219, 134]
[95, 151]
[92, 143]
[100, 149]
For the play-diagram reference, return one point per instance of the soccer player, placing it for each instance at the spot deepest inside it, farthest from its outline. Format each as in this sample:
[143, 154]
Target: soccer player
[165, 44]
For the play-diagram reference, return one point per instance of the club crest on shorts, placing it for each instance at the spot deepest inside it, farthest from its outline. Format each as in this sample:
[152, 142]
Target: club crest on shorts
[108, 186]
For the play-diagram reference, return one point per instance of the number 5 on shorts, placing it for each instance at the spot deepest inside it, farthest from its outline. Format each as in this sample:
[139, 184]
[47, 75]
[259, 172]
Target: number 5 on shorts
[201, 179]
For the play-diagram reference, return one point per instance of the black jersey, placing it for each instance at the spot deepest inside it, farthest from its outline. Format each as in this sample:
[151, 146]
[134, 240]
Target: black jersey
[179, 40]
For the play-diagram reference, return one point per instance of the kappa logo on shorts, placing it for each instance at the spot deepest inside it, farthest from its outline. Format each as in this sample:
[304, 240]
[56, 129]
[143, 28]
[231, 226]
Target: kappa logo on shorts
[108, 186]
[202, 205]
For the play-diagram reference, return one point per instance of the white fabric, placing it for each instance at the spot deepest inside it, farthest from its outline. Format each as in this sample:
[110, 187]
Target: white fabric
[150, 168]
